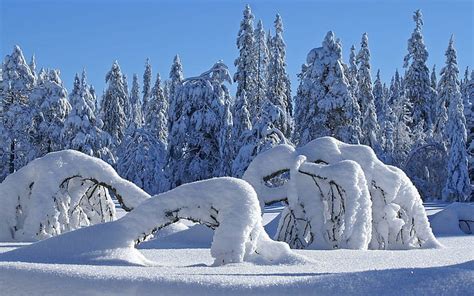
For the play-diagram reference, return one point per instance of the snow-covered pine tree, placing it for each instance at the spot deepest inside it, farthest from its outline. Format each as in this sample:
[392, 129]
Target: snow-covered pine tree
[381, 107]
[261, 137]
[81, 129]
[136, 103]
[352, 71]
[176, 76]
[369, 124]
[49, 98]
[469, 93]
[417, 78]
[141, 160]
[324, 105]
[262, 57]
[241, 123]
[457, 186]
[199, 128]
[156, 117]
[379, 97]
[16, 124]
[278, 84]
[147, 76]
[433, 79]
[112, 104]
[126, 103]
[246, 63]
[401, 106]
[440, 111]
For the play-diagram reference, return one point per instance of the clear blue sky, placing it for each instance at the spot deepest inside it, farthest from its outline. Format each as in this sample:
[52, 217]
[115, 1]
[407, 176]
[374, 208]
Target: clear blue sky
[72, 34]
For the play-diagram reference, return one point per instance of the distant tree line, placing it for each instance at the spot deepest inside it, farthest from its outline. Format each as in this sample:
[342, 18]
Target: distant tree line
[180, 130]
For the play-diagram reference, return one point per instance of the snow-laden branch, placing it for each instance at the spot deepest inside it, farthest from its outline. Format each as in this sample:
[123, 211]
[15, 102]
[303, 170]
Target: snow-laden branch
[59, 192]
[326, 188]
[228, 205]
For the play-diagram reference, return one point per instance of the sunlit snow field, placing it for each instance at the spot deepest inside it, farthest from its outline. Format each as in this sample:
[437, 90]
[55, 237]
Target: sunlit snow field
[184, 268]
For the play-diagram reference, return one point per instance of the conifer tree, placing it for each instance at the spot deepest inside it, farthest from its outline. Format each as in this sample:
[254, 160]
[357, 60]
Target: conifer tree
[369, 124]
[246, 63]
[49, 99]
[417, 78]
[81, 129]
[113, 104]
[156, 117]
[324, 105]
[278, 84]
[16, 124]
[262, 57]
[457, 186]
[200, 127]
[136, 115]
[147, 75]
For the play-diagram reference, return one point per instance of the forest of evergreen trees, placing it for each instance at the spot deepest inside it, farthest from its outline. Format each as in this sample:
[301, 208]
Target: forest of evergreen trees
[160, 133]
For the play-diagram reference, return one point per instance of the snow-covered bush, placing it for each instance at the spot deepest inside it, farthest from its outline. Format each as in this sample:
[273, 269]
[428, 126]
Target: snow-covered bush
[59, 192]
[227, 205]
[334, 210]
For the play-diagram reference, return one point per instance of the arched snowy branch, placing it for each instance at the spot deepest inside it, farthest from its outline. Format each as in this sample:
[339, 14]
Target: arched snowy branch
[227, 205]
[398, 218]
[60, 192]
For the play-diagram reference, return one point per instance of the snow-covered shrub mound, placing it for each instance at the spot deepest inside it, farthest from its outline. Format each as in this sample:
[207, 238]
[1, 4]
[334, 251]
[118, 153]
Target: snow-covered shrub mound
[333, 210]
[455, 219]
[59, 192]
[227, 205]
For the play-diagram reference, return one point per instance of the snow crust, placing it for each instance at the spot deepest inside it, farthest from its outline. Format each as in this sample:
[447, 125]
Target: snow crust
[372, 192]
[59, 192]
[228, 205]
[186, 271]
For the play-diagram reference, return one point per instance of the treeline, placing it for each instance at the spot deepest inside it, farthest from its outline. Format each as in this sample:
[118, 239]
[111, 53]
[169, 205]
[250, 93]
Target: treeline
[163, 133]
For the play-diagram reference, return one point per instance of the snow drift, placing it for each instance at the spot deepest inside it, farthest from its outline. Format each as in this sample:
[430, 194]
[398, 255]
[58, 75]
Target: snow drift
[340, 196]
[227, 205]
[59, 192]
[455, 219]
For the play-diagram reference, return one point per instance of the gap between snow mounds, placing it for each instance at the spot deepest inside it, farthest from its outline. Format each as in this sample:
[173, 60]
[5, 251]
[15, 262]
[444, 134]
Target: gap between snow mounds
[340, 196]
[228, 205]
[59, 192]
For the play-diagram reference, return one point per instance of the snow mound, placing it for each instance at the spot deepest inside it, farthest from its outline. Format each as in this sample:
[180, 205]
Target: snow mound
[227, 205]
[455, 219]
[59, 192]
[340, 196]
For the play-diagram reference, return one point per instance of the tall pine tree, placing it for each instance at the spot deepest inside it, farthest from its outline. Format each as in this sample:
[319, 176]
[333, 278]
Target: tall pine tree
[457, 186]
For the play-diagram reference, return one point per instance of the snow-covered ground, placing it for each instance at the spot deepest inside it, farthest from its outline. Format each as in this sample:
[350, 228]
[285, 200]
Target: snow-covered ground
[184, 268]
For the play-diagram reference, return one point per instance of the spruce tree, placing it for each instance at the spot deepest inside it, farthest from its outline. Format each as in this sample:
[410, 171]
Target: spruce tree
[113, 104]
[147, 75]
[176, 76]
[417, 78]
[324, 105]
[200, 127]
[369, 124]
[49, 98]
[156, 117]
[278, 84]
[136, 115]
[81, 129]
[16, 125]
[246, 63]
[457, 186]
[262, 57]
[142, 159]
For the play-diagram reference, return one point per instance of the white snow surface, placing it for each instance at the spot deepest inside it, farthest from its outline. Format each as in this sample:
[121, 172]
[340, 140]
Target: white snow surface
[36, 205]
[184, 268]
